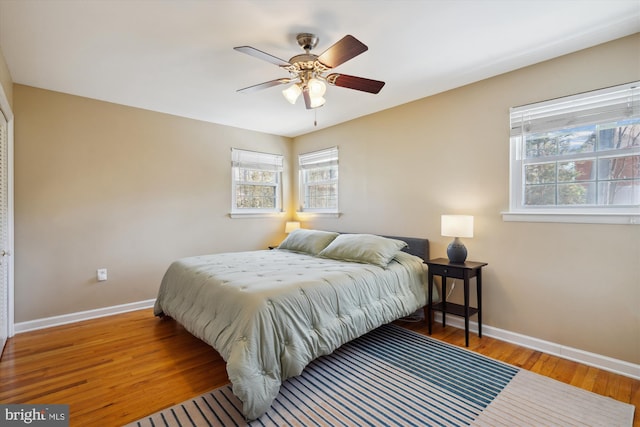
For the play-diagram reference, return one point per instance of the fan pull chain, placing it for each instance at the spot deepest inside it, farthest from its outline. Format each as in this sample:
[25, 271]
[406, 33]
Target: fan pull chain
[315, 118]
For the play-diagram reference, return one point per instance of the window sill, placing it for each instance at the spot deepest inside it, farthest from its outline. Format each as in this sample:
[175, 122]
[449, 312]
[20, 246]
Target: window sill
[307, 215]
[575, 218]
[236, 215]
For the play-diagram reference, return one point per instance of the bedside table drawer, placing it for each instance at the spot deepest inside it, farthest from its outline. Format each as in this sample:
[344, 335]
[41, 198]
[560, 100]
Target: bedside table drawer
[443, 270]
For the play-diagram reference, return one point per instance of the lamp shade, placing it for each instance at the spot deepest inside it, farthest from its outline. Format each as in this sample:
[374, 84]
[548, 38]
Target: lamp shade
[317, 101]
[290, 226]
[457, 225]
[316, 87]
[292, 93]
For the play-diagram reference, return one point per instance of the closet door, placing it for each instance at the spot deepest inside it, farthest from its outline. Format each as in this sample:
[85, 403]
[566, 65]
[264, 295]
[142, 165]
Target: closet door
[4, 233]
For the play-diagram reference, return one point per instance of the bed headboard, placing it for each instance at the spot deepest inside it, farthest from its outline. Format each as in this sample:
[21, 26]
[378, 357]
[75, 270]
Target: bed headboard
[415, 246]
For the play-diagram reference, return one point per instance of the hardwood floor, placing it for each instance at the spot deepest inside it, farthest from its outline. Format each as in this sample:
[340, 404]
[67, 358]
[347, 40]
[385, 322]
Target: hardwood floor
[117, 369]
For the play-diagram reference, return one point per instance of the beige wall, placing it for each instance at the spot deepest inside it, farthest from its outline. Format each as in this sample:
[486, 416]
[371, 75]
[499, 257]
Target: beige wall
[103, 185]
[573, 284]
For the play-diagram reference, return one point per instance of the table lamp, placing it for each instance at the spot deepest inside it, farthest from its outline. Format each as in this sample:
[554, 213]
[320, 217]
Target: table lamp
[457, 226]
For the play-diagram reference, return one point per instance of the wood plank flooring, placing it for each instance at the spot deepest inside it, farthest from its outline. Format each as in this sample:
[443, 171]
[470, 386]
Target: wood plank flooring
[117, 369]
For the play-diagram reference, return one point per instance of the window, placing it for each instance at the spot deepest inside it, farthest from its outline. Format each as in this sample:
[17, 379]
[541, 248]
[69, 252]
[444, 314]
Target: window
[578, 157]
[319, 181]
[256, 179]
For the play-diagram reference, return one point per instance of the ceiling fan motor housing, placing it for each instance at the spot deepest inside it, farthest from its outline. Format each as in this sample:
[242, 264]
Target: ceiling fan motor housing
[307, 41]
[304, 65]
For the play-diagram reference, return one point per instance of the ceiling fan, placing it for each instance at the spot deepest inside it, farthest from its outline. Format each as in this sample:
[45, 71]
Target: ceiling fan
[308, 72]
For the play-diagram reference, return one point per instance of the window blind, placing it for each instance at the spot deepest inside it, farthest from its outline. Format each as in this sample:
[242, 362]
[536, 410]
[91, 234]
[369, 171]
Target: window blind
[602, 106]
[256, 160]
[319, 159]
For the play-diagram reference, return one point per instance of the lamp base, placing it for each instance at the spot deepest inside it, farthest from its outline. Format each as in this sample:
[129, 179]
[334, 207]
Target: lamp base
[456, 252]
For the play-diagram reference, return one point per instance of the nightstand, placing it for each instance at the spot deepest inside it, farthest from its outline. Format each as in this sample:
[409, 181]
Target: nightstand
[465, 271]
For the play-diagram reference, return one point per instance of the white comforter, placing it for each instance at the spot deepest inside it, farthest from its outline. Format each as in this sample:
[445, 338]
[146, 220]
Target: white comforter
[270, 313]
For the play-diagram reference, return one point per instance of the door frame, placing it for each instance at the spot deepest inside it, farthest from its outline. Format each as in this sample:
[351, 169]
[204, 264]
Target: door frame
[5, 109]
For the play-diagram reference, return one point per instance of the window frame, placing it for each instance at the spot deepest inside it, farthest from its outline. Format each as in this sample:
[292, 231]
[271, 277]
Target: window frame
[604, 106]
[255, 160]
[327, 157]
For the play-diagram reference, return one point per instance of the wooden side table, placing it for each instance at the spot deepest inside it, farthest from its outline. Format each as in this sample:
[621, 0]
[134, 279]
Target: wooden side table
[465, 271]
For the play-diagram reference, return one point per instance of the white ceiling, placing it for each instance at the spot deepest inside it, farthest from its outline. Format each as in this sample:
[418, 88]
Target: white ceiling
[177, 57]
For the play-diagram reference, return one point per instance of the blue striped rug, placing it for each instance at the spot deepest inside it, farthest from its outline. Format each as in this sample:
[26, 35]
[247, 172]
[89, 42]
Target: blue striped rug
[396, 377]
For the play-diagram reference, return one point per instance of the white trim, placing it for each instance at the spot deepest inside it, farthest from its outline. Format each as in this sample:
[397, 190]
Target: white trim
[64, 319]
[11, 250]
[236, 215]
[576, 218]
[606, 363]
[308, 215]
[5, 109]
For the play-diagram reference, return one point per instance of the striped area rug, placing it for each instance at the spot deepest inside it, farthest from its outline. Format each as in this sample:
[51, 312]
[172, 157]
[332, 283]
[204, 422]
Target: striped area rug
[396, 377]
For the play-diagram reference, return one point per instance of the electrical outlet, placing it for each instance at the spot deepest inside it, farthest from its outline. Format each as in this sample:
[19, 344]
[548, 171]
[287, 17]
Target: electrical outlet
[102, 274]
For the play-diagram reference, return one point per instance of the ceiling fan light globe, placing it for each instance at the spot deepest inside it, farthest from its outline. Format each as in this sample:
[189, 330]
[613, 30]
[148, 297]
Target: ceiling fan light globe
[317, 88]
[317, 101]
[292, 93]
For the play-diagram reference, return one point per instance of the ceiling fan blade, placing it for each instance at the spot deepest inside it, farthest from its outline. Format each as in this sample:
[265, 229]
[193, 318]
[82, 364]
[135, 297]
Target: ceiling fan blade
[356, 83]
[265, 85]
[256, 53]
[342, 51]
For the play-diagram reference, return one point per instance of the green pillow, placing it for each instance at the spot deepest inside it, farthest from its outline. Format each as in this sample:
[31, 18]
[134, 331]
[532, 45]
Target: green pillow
[363, 248]
[307, 241]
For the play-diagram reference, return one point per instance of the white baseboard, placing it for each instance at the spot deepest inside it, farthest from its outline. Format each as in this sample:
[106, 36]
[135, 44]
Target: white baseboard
[606, 363]
[64, 319]
[592, 359]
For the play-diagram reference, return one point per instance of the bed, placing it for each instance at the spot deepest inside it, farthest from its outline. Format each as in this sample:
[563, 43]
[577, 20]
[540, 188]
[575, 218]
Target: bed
[271, 312]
